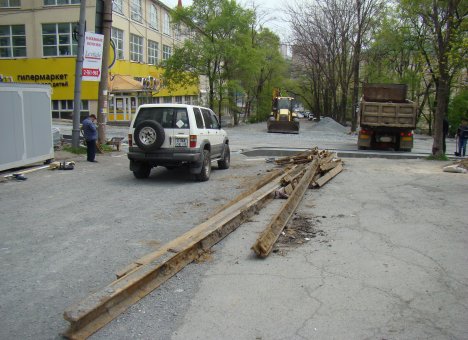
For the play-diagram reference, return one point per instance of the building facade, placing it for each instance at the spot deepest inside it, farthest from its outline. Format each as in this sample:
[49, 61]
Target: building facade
[38, 45]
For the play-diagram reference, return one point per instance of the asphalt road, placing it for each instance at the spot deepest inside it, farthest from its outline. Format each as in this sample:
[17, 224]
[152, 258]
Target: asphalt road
[389, 262]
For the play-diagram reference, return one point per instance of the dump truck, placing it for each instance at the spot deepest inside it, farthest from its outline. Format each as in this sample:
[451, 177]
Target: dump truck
[387, 118]
[282, 118]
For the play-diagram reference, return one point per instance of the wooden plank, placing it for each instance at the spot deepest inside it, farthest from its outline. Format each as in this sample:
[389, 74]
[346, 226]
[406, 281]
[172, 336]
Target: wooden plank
[268, 237]
[330, 165]
[329, 175]
[98, 309]
[327, 158]
[263, 181]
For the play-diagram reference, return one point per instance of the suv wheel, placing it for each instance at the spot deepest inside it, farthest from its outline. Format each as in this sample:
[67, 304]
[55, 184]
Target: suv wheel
[149, 135]
[226, 161]
[143, 171]
[204, 175]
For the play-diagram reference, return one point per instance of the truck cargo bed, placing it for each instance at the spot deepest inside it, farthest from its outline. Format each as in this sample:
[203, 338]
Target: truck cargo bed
[384, 93]
[377, 114]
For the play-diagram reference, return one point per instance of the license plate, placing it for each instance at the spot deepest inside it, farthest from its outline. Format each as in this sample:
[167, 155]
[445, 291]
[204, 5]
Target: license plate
[385, 139]
[181, 142]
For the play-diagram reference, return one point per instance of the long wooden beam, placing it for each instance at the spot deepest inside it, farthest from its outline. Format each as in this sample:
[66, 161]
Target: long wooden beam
[100, 308]
[268, 237]
[329, 175]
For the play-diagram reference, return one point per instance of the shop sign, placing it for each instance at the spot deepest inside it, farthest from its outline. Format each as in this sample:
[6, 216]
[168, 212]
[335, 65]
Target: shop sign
[54, 79]
[92, 58]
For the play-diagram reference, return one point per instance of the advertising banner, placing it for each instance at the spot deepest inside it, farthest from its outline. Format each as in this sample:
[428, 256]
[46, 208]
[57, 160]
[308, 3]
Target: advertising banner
[92, 58]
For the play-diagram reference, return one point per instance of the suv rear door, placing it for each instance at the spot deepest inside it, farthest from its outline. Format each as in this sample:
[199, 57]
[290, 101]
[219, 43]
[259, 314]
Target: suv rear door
[214, 132]
[202, 132]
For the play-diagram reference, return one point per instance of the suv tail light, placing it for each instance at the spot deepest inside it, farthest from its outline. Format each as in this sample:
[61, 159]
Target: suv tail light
[193, 141]
[406, 134]
[130, 140]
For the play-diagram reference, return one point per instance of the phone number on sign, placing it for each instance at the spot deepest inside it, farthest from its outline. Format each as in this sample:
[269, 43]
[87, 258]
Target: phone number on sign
[90, 72]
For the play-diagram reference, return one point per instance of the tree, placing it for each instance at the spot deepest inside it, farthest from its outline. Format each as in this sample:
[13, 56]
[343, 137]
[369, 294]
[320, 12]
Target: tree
[328, 38]
[393, 57]
[237, 55]
[216, 26]
[441, 37]
[367, 11]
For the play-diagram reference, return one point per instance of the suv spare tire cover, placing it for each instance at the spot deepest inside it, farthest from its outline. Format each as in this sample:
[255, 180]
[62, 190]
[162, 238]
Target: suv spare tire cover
[149, 135]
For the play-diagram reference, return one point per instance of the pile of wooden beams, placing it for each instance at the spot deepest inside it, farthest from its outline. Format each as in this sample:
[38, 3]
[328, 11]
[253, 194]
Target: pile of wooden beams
[315, 169]
[294, 176]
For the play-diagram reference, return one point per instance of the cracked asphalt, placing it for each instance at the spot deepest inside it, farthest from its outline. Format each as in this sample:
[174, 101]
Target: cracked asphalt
[392, 265]
[390, 262]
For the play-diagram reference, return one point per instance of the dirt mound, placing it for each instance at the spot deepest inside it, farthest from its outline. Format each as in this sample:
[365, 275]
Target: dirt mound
[327, 123]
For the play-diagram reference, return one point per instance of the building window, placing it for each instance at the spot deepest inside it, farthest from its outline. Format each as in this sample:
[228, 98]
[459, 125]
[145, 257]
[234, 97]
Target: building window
[178, 99]
[167, 100]
[57, 40]
[167, 52]
[167, 24]
[117, 6]
[177, 32]
[136, 10]
[63, 109]
[117, 38]
[61, 2]
[10, 3]
[153, 17]
[188, 99]
[153, 52]
[12, 41]
[136, 48]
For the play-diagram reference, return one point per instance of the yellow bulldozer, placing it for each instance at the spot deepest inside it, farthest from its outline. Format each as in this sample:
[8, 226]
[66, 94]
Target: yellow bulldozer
[282, 118]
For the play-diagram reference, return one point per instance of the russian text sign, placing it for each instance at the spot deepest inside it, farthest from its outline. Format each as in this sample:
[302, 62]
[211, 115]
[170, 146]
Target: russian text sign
[92, 58]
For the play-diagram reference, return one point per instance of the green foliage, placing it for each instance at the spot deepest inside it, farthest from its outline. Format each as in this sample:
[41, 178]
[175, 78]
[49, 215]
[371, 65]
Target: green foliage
[79, 150]
[107, 148]
[220, 28]
[441, 157]
[458, 109]
[394, 58]
[237, 60]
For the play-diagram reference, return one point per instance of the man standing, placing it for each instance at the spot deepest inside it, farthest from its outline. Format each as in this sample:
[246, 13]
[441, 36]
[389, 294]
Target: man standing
[462, 135]
[90, 135]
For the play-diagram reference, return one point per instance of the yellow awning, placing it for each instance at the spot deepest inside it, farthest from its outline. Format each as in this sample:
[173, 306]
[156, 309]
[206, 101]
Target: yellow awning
[123, 83]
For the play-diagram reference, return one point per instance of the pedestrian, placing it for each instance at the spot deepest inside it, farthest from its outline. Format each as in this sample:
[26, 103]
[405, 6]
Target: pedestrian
[462, 135]
[445, 130]
[90, 135]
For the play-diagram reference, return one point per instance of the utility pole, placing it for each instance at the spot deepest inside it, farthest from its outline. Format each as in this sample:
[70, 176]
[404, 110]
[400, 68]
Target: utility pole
[102, 95]
[78, 70]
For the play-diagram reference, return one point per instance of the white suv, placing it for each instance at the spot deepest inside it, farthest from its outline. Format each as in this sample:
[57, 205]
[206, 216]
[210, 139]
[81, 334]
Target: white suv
[172, 135]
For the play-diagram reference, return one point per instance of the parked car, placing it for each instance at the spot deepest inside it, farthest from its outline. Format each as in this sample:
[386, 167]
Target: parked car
[173, 135]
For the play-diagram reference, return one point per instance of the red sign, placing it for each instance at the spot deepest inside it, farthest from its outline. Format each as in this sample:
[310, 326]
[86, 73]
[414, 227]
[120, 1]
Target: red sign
[90, 72]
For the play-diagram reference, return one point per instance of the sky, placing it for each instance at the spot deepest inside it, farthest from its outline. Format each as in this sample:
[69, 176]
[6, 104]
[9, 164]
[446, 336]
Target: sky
[273, 8]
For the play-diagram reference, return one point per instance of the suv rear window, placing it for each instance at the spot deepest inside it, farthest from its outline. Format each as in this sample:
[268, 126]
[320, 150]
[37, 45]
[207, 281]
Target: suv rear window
[168, 117]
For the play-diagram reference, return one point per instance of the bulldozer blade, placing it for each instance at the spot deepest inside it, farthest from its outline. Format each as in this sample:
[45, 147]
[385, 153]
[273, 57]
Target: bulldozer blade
[283, 127]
